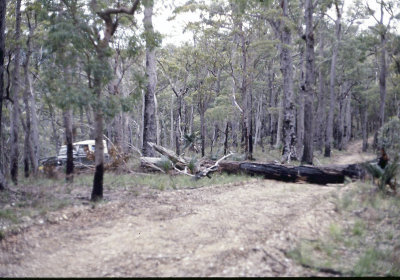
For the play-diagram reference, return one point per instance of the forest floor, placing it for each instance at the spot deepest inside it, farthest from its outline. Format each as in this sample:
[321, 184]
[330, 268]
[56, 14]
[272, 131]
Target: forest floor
[251, 227]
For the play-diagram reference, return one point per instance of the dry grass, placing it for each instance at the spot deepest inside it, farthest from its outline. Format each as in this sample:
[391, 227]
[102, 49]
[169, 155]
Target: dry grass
[366, 239]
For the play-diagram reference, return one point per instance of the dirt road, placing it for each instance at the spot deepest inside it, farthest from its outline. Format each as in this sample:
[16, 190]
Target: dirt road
[230, 230]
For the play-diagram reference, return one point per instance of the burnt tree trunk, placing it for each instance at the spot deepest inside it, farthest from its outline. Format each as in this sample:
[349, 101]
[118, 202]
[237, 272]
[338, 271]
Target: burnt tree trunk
[67, 115]
[309, 86]
[228, 124]
[322, 175]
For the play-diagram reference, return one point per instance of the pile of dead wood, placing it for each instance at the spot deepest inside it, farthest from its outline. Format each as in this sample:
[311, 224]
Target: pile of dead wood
[180, 164]
[328, 174]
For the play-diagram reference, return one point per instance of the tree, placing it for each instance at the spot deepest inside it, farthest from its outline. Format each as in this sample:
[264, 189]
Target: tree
[15, 96]
[3, 6]
[110, 26]
[332, 83]
[382, 30]
[283, 31]
[149, 122]
[309, 85]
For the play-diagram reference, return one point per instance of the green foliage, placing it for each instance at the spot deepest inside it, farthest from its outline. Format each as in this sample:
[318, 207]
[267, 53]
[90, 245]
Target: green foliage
[193, 165]
[165, 164]
[367, 264]
[389, 136]
[385, 176]
[363, 241]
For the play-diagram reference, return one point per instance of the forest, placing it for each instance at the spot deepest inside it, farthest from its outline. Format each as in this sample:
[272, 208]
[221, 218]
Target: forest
[275, 87]
[299, 77]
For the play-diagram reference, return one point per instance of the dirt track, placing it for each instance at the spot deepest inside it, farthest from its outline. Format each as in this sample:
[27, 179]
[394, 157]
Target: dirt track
[213, 231]
[230, 230]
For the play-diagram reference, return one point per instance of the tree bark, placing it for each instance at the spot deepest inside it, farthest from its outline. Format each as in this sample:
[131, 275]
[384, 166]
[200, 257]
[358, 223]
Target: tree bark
[335, 48]
[382, 80]
[364, 123]
[320, 118]
[228, 124]
[202, 131]
[309, 86]
[31, 133]
[329, 174]
[97, 190]
[171, 137]
[15, 95]
[67, 116]
[300, 100]
[149, 122]
[289, 133]
[3, 11]
[279, 124]
[27, 141]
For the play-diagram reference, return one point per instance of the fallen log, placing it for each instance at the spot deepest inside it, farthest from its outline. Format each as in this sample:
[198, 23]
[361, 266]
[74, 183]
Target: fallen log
[172, 156]
[328, 174]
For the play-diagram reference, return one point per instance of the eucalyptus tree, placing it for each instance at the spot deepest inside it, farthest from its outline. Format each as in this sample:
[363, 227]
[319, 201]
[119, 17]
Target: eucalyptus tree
[176, 66]
[284, 33]
[309, 84]
[98, 26]
[382, 30]
[3, 11]
[149, 120]
[15, 88]
[332, 82]
[31, 143]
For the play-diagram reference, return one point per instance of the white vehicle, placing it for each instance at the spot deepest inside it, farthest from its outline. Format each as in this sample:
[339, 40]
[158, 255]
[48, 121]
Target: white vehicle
[79, 150]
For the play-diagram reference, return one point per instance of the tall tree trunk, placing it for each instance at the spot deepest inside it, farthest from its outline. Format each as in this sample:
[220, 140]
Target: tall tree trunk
[31, 133]
[178, 125]
[309, 86]
[364, 125]
[347, 121]
[27, 141]
[289, 133]
[272, 103]
[67, 116]
[382, 80]
[202, 131]
[3, 10]
[228, 124]
[171, 138]
[97, 191]
[15, 95]
[335, 48]
[340, 117]
[250, 120]
[34, 128]
[279, 124]
[244, 93]
[320, 116]
[149, 121]
[54, 136]
[158, 125]
[300, 96]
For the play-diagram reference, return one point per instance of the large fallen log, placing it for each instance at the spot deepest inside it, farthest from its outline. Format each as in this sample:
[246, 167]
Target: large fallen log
[328, 174]
[172, 156]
